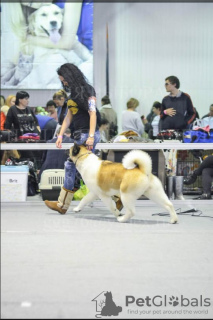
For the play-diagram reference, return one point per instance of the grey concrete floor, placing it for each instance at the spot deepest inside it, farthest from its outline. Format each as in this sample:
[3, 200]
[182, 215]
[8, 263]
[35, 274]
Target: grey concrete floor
[53, 266]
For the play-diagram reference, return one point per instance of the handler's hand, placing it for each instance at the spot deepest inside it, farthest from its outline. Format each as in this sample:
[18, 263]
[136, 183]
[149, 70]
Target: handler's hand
[170, 112]
[59, 142]
[89, 143]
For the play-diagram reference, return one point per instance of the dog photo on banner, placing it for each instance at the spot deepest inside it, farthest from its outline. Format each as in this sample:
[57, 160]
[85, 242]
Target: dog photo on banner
[38, 37]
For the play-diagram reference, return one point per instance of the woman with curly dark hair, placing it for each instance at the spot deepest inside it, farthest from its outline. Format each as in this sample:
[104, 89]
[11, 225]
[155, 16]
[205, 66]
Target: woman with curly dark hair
[82, 109]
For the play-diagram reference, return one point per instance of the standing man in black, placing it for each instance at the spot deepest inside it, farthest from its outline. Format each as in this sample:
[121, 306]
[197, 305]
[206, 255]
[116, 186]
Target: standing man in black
[177, 108]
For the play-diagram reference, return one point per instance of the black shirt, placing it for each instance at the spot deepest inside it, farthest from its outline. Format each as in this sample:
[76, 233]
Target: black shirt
[21, 120]
[80, 113]
[185, 112]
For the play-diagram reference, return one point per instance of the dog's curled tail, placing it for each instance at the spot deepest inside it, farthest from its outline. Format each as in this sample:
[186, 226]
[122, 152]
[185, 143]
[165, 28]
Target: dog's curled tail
[138, 158]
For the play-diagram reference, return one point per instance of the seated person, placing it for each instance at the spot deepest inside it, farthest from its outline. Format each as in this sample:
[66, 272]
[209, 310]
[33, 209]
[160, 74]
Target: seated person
[206, 170]
[9, 102]
[148, 120]
[60, 100]
[208, 119]
[210, 114]
[131, 120]
[20, 117]
[155, 122]
[177, 108]
[55, 159]
[104, 125]
[108, 113]
[152, 128]
[47, 124]
[52, 110]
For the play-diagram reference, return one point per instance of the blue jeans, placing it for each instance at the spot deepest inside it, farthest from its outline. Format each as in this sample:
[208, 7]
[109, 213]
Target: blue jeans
[70, 169]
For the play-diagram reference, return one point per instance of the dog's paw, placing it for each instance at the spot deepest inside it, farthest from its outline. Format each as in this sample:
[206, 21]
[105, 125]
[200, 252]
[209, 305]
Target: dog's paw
[124, 218]
[116, 213]
[76, 209]
[174, 220]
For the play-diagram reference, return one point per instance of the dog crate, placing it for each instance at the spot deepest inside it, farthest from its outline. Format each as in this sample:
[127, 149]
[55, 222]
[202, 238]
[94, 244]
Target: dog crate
[50, 184]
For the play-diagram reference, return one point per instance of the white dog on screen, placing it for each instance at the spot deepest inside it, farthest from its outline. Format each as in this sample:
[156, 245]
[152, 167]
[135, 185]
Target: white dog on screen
[47, 22]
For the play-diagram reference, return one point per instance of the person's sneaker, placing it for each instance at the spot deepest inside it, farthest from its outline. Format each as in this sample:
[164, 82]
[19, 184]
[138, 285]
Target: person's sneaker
[204, 196]
[190, 180]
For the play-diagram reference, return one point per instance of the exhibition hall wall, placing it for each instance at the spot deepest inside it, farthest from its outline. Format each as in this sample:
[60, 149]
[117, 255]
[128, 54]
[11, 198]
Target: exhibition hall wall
[147, 43]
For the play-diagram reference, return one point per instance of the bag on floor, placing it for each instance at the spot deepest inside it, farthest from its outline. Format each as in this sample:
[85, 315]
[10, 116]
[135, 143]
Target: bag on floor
[32, 186]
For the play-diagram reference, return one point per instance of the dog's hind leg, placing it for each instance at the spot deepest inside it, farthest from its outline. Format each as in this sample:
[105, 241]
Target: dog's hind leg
[128, 203]
[110, 204]
[86, 200]
[157, 194]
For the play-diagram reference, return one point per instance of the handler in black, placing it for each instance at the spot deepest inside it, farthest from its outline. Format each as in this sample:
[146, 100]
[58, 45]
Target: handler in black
[20, 118]
[81, 106]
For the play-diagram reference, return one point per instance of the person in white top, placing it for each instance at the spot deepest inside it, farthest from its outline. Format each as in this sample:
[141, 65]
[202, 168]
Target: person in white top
[131, 119]
[109, 114]
[155, 122]
[207, 120]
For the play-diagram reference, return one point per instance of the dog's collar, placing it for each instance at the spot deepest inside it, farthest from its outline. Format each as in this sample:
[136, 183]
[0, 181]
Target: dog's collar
[82, 156]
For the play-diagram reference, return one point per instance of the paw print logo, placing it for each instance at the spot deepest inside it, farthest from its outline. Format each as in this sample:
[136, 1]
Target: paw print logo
[173, 301]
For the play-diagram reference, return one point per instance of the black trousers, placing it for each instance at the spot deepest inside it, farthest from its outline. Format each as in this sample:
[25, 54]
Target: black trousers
[207, 163]
[207, 178]
[206, 170]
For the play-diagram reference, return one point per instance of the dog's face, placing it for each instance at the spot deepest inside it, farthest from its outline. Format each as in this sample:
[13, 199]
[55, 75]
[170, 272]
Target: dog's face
[46, 21]
[77, 151]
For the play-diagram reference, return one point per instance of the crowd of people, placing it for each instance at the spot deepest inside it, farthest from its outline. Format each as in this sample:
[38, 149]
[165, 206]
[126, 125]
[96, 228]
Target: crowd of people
[176, 111]
[77, 115]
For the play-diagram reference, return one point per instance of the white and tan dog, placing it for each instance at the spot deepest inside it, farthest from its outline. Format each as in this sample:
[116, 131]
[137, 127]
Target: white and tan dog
[127, 180]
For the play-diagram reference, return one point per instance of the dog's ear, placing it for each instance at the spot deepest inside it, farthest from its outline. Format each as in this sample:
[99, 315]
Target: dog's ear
[75, 149]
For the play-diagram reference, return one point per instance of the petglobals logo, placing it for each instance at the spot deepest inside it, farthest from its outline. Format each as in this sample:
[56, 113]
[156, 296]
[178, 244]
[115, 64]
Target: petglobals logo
[105, 305]
[164, 301]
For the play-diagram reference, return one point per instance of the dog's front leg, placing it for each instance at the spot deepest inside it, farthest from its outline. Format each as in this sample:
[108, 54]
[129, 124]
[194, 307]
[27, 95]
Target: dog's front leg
[86, 200]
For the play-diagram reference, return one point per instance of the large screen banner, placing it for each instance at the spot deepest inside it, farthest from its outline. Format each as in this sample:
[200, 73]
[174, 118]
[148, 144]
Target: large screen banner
[38, 37]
